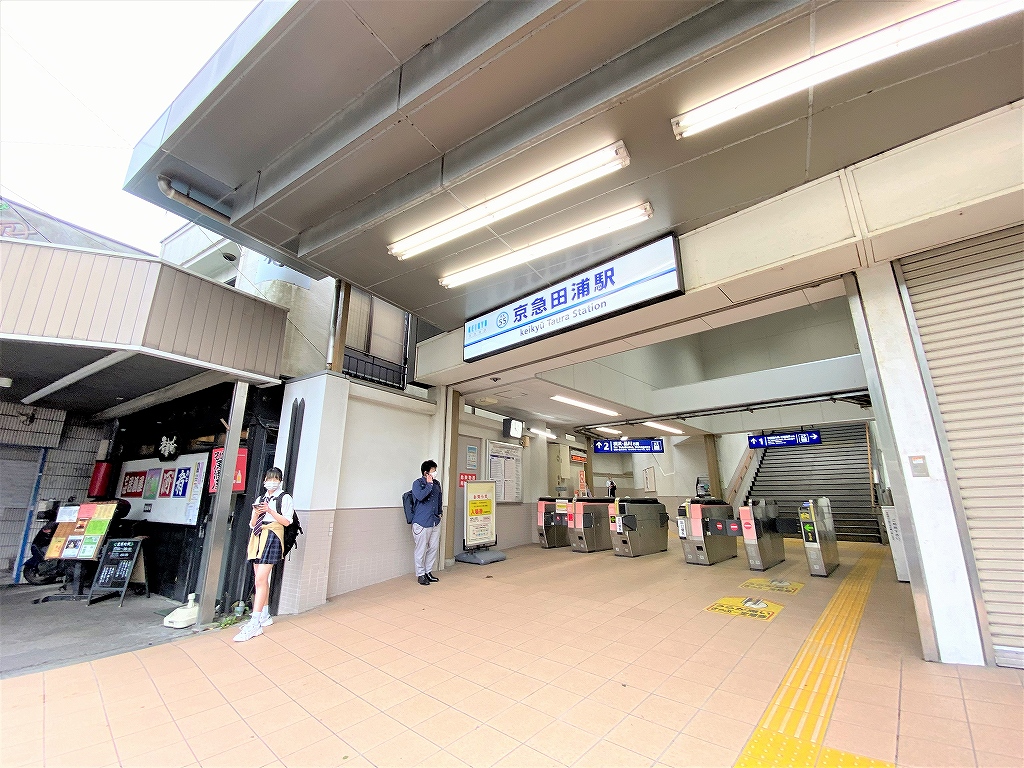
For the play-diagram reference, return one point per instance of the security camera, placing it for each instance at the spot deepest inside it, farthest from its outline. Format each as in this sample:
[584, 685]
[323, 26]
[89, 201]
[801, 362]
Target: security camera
[230, 252]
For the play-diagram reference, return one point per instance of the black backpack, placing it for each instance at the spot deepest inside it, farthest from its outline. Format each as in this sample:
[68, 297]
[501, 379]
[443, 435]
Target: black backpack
[407, 506]
[291, 533]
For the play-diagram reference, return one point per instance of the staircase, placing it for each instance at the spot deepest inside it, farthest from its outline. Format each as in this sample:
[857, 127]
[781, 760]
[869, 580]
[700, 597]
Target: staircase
[838, 468]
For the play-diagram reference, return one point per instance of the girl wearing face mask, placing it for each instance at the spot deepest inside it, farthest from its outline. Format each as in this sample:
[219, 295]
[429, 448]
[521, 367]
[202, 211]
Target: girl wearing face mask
[270, 514]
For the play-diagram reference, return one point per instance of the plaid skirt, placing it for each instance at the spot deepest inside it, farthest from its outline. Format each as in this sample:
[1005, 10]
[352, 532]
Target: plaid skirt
[273, 552]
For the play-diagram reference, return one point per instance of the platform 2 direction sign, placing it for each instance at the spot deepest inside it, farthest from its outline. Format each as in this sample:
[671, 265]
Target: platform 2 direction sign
[784, 439]
[629, 446]
[747, 607]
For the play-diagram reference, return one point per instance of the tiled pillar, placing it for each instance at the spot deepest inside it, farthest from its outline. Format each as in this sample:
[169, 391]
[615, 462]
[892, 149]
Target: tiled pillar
[316, 485]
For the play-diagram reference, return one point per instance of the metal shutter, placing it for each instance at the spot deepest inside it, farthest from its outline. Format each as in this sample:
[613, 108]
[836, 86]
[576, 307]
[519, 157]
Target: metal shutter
[968, 301]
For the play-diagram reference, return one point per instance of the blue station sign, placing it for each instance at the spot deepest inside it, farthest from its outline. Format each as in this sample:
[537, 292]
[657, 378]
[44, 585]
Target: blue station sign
[784, 439]
[629, 446]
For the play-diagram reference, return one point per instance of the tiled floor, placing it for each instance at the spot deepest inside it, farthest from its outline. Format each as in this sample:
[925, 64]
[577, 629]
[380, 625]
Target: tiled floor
[550, 658]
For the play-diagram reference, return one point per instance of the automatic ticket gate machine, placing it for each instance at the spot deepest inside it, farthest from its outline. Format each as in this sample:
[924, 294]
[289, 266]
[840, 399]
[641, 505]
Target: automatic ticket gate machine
[589, 529]
[819, 535]
[553, 522]
[764, 544]
[638, 527]
[708, 530]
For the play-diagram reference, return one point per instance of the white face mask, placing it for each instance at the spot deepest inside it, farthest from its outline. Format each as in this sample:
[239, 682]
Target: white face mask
[272, 485]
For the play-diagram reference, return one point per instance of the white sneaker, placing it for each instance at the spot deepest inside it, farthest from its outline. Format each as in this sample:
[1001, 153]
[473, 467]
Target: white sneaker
[249, 631]
[266, 620]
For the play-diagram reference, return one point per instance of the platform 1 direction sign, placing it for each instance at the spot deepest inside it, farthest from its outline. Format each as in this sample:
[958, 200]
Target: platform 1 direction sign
[784, 439]
[629, 446]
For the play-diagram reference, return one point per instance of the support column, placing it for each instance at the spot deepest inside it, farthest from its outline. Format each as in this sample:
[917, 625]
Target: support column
[450, 461]
[210, 567]
[714, 473]
[939, 555]
[317, 483]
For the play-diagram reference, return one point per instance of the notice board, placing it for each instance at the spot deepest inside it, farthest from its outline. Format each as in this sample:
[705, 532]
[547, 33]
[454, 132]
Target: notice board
[505, 468]
[480, 508]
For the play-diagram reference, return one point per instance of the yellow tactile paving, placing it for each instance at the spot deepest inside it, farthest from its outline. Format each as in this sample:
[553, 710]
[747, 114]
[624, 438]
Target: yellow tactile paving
[793, 726]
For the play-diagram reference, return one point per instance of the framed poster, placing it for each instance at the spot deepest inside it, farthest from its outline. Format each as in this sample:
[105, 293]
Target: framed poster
[480, 508]
[163, 491]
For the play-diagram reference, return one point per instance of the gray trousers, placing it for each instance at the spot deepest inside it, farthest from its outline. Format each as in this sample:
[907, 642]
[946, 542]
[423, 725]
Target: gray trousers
[426, 541]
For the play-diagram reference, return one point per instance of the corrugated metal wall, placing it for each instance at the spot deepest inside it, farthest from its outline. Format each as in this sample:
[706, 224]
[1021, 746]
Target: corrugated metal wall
[968, 303]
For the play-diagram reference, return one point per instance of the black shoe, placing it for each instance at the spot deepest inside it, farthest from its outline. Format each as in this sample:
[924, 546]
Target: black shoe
[423, 580]
[431, 577]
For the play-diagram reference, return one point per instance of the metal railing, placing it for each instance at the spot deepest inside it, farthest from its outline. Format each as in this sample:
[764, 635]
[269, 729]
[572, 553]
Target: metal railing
[360, 365]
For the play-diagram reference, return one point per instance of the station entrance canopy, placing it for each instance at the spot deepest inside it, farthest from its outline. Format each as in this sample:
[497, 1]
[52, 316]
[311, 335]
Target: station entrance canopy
[329, 135]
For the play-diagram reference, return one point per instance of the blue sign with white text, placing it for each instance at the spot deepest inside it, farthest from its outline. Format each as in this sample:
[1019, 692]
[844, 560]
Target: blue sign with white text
[629, 446]
[784, 439]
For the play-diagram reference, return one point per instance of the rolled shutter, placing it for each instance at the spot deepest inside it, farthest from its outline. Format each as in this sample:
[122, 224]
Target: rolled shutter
[968, 301]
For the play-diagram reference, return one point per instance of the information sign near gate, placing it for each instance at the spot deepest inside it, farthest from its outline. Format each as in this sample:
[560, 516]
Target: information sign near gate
[629, 446]
[783, 439]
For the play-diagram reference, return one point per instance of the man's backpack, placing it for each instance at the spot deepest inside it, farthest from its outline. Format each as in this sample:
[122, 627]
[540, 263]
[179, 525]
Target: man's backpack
[407, 505]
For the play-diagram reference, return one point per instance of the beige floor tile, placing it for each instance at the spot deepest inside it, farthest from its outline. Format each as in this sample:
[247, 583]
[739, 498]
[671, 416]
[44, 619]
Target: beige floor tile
[877, 743]
[733, 705]
[987, 713]
[482, 747]
[254, 705]
[390, 694]
[486, 673]
[544, 669]
[285, 741]
[403, 665]
[640, 677]
[552, 700]
[868, 715]
[484, 704]
[427, 677]
[990, 760]
[146, 741]
[347, 714]
[220, 740]
[211, 719]
[26, 753]
[605, 754]
[594, 717]
[938, 729]
[368, 681]
[563, 742]
[932, 685]
[685, 691]
[415, 710]
[690, 752]
[708, 727]
[326, 753]
[871, 694]
[993, 692]
[930, 704]
[446, 727]
[516, 686]
[442, 759]
[666, 712]
[526, 757]
[174, 755]
[995, 740]
[921, 753]
[371, 732]
[408, 748]
[520, 721]
[619, 696]
[453, 690]
[642, 736]
[992, 674]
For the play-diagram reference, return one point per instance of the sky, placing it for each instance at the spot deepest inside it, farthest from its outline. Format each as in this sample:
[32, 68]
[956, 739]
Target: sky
[81, 81]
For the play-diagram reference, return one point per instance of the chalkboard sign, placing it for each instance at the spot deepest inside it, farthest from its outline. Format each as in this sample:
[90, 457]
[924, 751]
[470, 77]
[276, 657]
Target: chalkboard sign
[117, 569]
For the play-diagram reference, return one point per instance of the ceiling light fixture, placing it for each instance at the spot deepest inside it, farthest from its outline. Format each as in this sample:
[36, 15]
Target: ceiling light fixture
[542, 433]
[575, 174]
[587, 406]
[656, 425]
[608, 430]
[916, 31]
[636, 215]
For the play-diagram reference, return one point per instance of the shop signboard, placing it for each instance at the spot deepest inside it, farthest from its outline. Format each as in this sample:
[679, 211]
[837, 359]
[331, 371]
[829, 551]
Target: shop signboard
[164, 492]
[238, 480]
[629, 446]
[784, 439]
[642, 276]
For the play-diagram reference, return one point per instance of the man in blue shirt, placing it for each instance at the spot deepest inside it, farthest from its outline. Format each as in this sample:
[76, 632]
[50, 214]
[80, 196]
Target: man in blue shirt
[426, 521]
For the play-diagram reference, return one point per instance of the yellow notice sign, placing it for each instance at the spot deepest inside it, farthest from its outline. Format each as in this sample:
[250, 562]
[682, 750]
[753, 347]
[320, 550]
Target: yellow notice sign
[773, 585]
[748, 607]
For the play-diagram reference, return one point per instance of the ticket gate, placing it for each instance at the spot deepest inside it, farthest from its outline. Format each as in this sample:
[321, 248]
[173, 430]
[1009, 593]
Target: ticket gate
[553, 522]
[589, 529]
[762, 540]
[708, 530]
[638, 527]
[819, 535]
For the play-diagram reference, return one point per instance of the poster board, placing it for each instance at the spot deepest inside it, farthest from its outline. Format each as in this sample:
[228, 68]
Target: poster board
[80, 531]
[164, 491]
[504, 465]
[480, 506]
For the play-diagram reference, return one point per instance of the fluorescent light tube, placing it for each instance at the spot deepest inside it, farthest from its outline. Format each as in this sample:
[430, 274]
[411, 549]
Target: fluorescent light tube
[588, 406]
[542, 433]
[592, 231]
[927, 27]
[608, 430]
[656, 425]
[575, 174]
